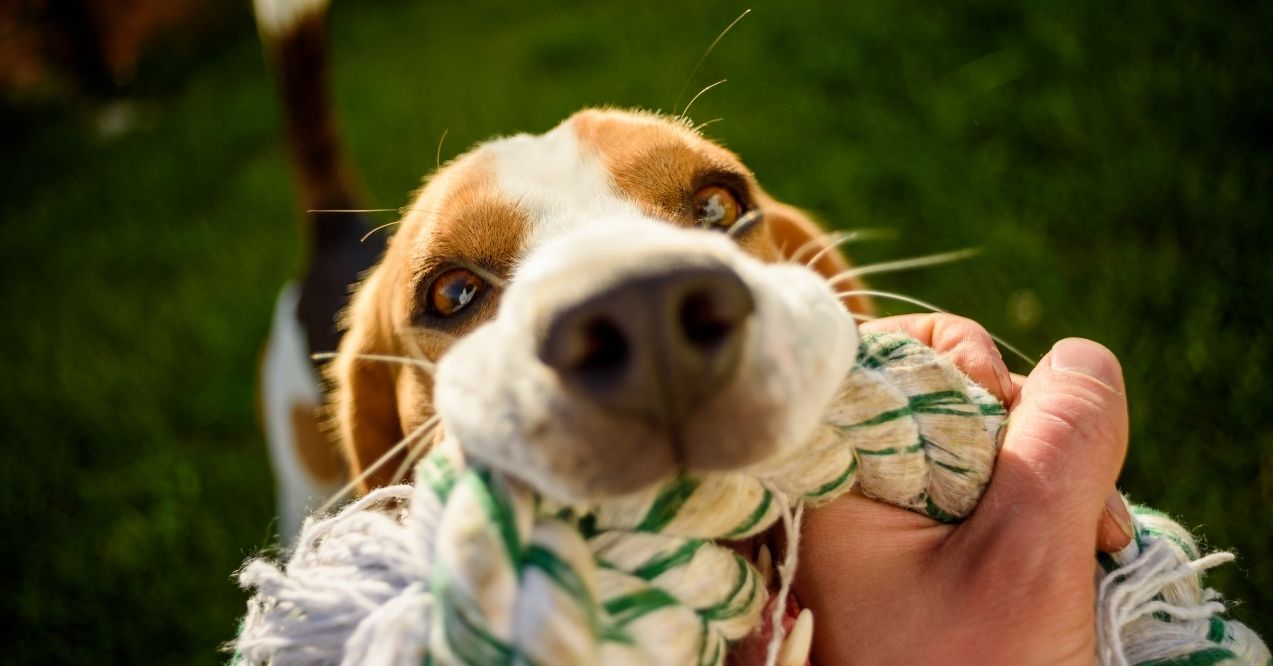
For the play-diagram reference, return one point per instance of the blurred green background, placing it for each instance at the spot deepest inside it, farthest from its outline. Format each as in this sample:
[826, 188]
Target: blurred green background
[1112, 160]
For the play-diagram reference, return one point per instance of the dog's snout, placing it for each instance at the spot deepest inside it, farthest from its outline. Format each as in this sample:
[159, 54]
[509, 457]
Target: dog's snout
[654, 344]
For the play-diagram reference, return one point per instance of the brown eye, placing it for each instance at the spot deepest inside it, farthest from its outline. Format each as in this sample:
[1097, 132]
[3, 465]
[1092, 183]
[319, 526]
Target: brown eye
[715, 207]
[453, 290]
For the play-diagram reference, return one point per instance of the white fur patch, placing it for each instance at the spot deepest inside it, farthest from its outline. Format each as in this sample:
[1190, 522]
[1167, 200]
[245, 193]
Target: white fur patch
[288, 379]
[557, 184]
[276, 17]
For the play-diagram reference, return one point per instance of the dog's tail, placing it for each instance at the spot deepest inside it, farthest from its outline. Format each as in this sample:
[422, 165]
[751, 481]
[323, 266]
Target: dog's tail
[295, 38]
[307, 466]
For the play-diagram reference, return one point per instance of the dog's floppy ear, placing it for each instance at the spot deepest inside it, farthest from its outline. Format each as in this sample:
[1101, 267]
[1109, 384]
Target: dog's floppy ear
[796, 237]
[364, 395]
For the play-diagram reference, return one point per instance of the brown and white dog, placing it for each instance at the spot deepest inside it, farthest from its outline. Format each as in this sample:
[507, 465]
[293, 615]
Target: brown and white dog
[615, 299]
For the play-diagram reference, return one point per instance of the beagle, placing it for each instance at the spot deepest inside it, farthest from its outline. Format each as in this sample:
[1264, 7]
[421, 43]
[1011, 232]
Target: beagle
[618, 291]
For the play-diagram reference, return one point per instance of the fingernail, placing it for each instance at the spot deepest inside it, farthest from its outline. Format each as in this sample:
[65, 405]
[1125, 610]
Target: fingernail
[1117, 509]
[1004, 378]
[1087, 358]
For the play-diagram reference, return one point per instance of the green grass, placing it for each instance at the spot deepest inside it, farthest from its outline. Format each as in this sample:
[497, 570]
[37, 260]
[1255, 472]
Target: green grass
[1113, 162]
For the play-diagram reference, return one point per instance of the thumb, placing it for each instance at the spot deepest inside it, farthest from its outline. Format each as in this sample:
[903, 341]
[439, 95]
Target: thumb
[1063, 449]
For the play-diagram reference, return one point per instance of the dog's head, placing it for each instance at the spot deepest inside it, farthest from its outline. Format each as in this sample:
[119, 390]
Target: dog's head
[616, 300]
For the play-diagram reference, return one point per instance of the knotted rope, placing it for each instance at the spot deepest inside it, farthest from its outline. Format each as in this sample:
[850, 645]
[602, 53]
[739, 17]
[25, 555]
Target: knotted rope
[471, 566]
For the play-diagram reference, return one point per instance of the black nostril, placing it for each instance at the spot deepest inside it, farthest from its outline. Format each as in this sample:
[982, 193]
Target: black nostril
[703, 323]
[603, 348]
[711, 314]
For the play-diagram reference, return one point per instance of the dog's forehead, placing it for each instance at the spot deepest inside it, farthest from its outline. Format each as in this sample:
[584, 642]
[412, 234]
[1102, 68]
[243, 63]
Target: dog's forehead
[602, 167]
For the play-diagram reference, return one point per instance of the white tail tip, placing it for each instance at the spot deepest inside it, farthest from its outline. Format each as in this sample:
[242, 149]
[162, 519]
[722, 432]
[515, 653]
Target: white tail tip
[275, 18]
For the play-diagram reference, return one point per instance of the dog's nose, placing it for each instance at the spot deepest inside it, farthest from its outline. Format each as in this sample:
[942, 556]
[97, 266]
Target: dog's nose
[656, 343]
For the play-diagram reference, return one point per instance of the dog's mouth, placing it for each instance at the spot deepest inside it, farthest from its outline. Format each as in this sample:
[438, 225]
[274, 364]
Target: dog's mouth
[759, 551]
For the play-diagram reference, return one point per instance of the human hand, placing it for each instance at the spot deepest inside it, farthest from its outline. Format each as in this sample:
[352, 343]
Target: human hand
[1014, 582]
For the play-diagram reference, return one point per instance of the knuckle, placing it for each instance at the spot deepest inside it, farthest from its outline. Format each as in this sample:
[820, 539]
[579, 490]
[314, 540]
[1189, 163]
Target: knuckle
[963, 335]
[1078, 413]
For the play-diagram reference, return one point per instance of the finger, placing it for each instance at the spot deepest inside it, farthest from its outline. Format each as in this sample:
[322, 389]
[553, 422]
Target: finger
[1014, 392]
[962, 340]
[1114, 531]
[1063, 449]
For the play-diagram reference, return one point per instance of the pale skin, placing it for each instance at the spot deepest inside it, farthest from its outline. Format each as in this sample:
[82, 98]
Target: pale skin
[1014, 583]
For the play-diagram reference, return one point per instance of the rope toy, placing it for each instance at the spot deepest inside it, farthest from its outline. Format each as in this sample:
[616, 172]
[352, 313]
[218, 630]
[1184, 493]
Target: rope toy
[472, 566]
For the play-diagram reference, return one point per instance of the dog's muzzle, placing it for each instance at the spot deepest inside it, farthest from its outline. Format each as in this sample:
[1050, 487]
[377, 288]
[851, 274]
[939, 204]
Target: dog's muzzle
[624, 354]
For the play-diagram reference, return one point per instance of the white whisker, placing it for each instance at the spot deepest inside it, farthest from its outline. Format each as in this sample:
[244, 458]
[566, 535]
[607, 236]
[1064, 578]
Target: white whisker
[933, 308]
[383, 226]
[419, 363]
[834, 240]
[690, 78]
[413, 454]
[437, 155]
[419, 432]
[354, 210]
[415, 352]
[795, 257]
[700, 94]
[873, 233]
[888, 294]
[903, 264]
[700, 126]
[402, 212]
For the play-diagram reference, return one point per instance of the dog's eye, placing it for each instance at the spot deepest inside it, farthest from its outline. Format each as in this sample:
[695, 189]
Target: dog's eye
[715, 207]
[453, 290]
